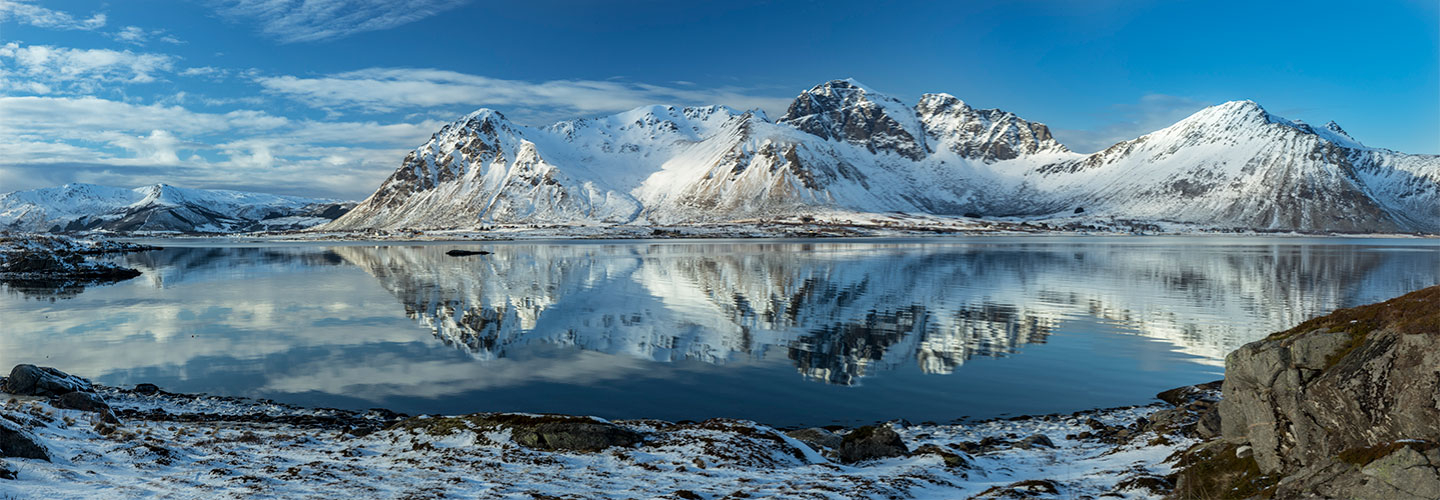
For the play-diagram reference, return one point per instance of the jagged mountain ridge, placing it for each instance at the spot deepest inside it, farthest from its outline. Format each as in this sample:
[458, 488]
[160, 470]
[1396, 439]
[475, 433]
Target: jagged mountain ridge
[160, 208]
[844, 147]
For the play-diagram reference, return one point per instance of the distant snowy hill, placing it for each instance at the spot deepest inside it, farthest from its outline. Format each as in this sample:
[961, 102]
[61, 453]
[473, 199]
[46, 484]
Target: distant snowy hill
[160, 208]
[842, 146]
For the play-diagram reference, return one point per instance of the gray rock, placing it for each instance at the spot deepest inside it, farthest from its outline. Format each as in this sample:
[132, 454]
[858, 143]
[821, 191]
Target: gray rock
[952, 460]
[1035, 441]
[146, 389]
[1342, 406]
[31, 380]
[1282, 399]
[1208, 426]
[83, 401]
[1180, 396]
[574, 436]
[817, 438]
[16, 442]
[545, 432]
[1406, 471]
[8, 473]
[86, 401]
[871, 442]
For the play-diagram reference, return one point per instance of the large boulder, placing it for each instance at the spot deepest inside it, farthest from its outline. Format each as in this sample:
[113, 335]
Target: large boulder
[86, 401]
[544, 432]
[817, 438]
[31, 380]
[1345, 405]
[871, 442]
[16, 442]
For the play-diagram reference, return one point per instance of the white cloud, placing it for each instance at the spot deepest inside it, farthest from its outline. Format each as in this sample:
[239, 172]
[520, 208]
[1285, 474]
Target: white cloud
[43, 69]
[52, 140]
[23, 12]
[210, 71]
[290, 21]
[158, 148]
[388, 89]
[138, 36]
[132, 34]
[1152, 112]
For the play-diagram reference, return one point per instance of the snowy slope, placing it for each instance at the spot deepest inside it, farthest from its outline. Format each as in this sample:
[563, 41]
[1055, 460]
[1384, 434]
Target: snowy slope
[161, 207]
[1239, 164]
[843, 146]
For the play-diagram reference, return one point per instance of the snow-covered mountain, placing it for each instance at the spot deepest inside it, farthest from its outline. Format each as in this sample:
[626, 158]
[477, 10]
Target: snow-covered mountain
[161, 207]
[843, 146]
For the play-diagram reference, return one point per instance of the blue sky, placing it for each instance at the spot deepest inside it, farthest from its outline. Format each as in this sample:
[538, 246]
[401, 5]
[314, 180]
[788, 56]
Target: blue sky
[324, 97]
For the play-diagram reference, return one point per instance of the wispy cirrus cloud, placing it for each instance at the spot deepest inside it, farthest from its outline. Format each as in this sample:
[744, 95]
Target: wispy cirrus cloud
[23, 12]
[42, 69]
[1152, 112]
[291, 21]
[136, 35]
[390, 89]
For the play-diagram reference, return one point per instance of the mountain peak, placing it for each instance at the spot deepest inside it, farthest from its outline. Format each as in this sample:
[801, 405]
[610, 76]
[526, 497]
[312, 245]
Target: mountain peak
[985, 134]
[846, 111]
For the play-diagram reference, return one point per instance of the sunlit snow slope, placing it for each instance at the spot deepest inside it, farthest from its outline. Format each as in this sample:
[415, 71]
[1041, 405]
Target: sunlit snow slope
[843, 146]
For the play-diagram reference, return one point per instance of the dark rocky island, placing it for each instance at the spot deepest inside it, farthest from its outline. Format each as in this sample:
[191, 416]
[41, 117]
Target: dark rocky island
[57, 266]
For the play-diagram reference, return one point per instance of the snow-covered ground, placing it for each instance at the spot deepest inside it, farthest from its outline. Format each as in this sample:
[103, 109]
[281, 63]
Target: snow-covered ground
[172, 446]
[828, 224]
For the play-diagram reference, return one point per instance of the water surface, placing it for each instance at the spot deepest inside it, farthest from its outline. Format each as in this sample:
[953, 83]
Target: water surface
[783, 332]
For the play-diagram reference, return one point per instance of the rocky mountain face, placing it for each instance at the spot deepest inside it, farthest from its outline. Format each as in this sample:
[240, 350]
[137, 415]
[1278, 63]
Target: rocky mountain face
[1341, 406]
[842, 147]
[160, 208]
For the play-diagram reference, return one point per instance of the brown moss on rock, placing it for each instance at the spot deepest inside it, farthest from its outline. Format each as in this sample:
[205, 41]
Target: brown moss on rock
[1365, 455]
[1215, 471]
[1413, 313]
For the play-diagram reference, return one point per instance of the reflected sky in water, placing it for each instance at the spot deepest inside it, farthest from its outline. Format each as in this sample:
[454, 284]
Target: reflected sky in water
[784, 332]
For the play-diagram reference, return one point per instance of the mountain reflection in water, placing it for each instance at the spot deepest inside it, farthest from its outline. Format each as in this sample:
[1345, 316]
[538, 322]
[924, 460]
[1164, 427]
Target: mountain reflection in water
[876, 329]
[842, 311]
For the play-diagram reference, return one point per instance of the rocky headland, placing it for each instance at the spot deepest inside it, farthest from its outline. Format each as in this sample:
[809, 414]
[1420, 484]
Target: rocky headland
[1341, 406]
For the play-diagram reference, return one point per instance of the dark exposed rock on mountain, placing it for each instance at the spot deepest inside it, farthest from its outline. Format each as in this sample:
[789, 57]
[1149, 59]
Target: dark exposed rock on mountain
[844, 111]
[844, 147]
[1341, 406]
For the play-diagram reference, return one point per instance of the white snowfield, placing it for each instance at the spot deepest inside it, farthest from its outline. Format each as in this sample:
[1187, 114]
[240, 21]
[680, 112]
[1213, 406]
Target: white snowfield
[160, 207]
[843, 147]
[713, 459]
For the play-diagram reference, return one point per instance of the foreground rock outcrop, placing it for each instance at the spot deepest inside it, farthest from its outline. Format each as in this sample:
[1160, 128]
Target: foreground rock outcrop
[1342, 406]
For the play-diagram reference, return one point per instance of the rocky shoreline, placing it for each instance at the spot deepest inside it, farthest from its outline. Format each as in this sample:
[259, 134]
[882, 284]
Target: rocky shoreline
[143, 440]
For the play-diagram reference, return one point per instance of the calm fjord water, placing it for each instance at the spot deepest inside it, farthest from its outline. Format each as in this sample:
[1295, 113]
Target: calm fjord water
[783, 332]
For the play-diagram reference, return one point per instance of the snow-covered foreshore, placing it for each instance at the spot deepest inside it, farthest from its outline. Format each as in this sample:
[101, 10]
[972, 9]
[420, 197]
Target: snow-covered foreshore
[188, 446]
[827, 225]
